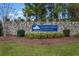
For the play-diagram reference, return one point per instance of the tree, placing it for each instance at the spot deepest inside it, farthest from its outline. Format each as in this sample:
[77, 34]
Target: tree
[74, 11]
[50, 8]
[40, 11]
[6, 19]
[5, 10]
[27, 10]
[57, 8]
[36, 10]
[21, 19]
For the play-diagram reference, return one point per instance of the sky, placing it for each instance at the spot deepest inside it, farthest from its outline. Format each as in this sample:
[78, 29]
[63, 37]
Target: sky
[18, 9]
[18, 6]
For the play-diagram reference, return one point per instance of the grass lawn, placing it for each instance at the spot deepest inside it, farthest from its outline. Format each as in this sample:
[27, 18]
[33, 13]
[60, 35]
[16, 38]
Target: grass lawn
[11, 48]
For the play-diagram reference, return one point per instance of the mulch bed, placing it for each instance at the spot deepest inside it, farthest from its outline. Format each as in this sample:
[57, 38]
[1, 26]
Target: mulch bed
[54, 41]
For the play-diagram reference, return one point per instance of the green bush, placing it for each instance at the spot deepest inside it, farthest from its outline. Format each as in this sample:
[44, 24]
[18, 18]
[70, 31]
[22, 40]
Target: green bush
[55, 35]
[36, 35]
[50, 35]
[1, 32]
[76, 35]
[59, 35]
[44, 35]
[66, 32]
[1, 29]
[21, 33]
[29, 35]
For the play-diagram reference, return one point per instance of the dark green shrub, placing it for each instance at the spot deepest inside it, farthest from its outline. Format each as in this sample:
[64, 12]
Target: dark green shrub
[21, 33]
[66, 32]
[1, 32]
[1, 29]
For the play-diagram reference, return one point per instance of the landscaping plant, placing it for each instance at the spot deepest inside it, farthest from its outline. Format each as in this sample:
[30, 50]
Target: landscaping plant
[44, 35]
[1, 29]
[21, 33]
[66, 32]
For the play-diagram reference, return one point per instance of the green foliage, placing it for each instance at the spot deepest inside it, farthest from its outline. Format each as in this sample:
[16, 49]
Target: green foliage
[44, 35]
[66, 32]
[73, 9]
[51, 35]
[21, 19]
[50, 20]
[43, 20]
[29, 35]
[76, 35]
[27, 10]
[37, 10]
[58, 8]
[7, 20]
[55, 35]
[59, 35]
[16, 20]
[21, 33]
[36, 35]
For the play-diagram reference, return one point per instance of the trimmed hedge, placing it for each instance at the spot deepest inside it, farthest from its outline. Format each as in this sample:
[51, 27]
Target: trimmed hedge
[44, 35]
[21, 33]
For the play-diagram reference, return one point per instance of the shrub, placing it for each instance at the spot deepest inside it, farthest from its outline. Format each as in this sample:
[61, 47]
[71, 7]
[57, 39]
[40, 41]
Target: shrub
[1, 29]
[44, 35]
[66, 32]
[76, 35]
[36, 35]
[29, 35]
[50, 35]
[21, 33]
[59, 35]
[1, 32]
[55, 35]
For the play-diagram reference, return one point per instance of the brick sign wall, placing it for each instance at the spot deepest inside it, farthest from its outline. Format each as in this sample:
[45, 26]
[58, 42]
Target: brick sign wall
[12, 27]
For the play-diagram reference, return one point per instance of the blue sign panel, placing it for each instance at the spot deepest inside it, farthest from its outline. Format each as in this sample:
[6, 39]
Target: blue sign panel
[45, 28]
